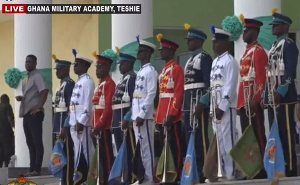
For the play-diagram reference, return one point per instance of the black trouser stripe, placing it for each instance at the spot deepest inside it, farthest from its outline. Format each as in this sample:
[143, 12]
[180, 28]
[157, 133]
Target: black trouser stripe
[231, 128]
[149, 143]
[87, 147]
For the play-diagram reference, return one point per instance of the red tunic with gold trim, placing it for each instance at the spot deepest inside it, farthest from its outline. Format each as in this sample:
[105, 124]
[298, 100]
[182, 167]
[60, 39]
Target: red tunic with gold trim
[253, 73]
[102, 101]
[171, 91]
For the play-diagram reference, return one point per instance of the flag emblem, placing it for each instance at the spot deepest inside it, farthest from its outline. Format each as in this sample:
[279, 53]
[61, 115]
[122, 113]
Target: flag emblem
[189, 174]
[187, 166]
[274, 159]
[251, 154]
[56, 162]
[272, 150]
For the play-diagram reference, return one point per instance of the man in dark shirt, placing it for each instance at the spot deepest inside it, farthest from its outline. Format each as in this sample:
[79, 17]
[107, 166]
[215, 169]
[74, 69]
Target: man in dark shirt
[34, 97]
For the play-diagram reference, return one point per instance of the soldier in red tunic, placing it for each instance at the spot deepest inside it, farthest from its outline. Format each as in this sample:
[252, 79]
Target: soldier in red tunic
[252, 82]
[171, 92]
[102, 116]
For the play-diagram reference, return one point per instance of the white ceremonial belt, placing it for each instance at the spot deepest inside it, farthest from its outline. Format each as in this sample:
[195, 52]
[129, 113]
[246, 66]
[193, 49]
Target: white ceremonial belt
[96, 107]
[72, 128]
[193, 86]
[217, 83]
[281, 73]
[76, 107]
[246, 78]
[121, 106]
[139, 95]
[166, 95]
[60, 109]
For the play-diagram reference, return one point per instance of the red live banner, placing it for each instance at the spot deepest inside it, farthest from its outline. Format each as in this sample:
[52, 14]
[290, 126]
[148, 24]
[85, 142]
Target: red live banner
[14, 8]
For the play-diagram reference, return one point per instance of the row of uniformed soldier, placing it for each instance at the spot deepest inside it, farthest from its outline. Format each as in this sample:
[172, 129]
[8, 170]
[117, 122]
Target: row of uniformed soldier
[180, 90]
[72, 117]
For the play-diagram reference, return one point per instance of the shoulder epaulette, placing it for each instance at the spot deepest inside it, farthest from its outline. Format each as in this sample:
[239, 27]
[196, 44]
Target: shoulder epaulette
[132, 73]
[289, 40]
[87, 76]
[259, 47]
[204, 53]
[152, 68]
[70, 80]
[230, 56]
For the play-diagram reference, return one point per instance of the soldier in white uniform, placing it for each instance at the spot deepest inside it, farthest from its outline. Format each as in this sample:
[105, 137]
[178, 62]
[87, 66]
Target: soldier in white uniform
[81, 114]
[223, 82]
[143, 106]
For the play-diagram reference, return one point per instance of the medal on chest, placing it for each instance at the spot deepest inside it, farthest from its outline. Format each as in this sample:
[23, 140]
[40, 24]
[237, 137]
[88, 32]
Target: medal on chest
[61, 103]
[248, 61]
[276, 55]
[170, 83]
[102, 98]
[126, 97]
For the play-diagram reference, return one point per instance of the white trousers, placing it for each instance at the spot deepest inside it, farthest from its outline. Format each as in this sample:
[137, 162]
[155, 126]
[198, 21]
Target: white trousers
[147, 146]
[86, 141]
[226, 134]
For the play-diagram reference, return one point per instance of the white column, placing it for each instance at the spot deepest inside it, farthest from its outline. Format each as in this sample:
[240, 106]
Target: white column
[125, 27]
[33, 35]
[251, 9]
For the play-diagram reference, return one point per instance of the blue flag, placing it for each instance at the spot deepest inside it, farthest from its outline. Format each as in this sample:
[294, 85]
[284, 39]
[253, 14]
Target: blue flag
[119, 171]
[58, 160]
[189, 174]
[273, 159]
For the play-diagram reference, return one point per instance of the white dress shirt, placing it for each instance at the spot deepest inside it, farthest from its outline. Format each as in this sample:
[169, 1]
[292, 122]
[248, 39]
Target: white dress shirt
[224, 80]
[81, 101]
[144, 93]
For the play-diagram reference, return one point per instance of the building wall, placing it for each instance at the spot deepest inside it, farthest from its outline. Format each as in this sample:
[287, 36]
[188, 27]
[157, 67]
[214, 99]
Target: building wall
[68, 32]
[74, 31]
[104, 29]
[171, 15]
[291, 8]
[7, 55]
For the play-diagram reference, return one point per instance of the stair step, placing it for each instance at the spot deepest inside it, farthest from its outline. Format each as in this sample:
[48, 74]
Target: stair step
[40, 180]
[15, 172]
[10, 174]
[285, 181]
